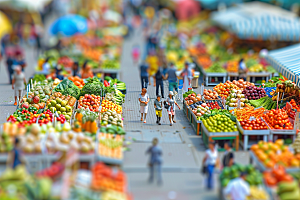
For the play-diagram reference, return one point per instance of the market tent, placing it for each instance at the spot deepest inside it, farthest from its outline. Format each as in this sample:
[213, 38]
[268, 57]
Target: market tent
[267, 27]
[6, 26]
[287, 62]
[186, 9]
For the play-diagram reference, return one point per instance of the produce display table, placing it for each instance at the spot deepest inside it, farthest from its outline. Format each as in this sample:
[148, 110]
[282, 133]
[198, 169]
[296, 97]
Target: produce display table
[253, 75]
[261, 166]
[235, 75]
[114, 73]
[281, 132]
[196, 124]
[209, 136]
[207, 76]
[245, 135]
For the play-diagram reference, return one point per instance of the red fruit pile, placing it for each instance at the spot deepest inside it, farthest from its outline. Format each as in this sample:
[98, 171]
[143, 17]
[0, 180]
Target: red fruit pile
[257, 124]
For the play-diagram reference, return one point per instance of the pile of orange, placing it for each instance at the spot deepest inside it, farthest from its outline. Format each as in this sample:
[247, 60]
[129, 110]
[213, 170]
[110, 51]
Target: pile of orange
[77, 81]
[270, 153]
[232, 66]
[224, 89]
[108, 105]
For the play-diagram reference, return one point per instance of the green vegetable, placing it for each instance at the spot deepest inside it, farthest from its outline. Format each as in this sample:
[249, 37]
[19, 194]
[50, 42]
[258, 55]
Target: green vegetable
[188, 93]
[67, 87]
[216, 68]
[107, 78]
[93, 86]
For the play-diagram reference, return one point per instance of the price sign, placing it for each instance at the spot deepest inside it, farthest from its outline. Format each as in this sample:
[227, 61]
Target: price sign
[277, 99]
[202, 89]
[239, 103]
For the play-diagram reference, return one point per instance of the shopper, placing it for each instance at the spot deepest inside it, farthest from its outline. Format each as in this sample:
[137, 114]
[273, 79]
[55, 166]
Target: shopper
[15, 157]
[158, 109]
[9, 64]
[144, 100]
[172, 78]
[86, 71]
[242, 69]
[187, 76]
[155, 152]
[19, 60]
[18, 83]
[238, 188]
[228, 159]
[159, 82]
[171, 110]
[58, 70]
[75, 69]
[153, 63]
[46, 66]
[210, 161]
[144, 74]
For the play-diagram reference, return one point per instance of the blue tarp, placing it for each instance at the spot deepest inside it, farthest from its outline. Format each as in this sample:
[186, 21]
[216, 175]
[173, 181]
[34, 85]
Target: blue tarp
[287, 62]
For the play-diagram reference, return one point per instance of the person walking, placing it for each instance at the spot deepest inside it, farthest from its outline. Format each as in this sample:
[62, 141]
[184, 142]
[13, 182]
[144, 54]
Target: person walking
[238, 188]
[159, 82]
[187, 76]
[144, 75]
[210, 161]
[158, 109]
[46, 66]
[144, 100]
[15, 157]
[228, 159]
[171, 110]
[19, 59]
[9, 64]
[135, 54]
[155, 161]
[18, 83]
[172, 78]
[153, 63]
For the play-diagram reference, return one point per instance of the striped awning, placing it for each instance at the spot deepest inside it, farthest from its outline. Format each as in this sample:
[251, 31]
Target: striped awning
[287, 62]
[266, 27]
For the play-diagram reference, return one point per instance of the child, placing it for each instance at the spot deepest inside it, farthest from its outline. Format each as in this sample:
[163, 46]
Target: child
[158, 109]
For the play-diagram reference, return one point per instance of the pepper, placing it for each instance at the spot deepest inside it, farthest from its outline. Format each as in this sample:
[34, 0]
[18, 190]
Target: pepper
[106, 84]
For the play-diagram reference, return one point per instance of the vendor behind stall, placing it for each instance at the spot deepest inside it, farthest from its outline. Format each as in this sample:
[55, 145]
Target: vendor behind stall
[86, 71]
[242, 69]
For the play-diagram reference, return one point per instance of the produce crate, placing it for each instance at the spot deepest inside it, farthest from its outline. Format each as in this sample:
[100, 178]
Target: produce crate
[185, 108]
[280, 132]
[190, 113]
[254, 75]
[244, 135]
[262, 167]
[210, 136]
[196, 124]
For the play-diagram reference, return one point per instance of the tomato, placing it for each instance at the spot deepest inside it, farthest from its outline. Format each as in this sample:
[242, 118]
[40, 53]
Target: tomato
[250, 128]
[276, 127]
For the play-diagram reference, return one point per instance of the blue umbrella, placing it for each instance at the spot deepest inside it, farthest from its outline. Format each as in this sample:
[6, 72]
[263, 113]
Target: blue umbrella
[69, 25]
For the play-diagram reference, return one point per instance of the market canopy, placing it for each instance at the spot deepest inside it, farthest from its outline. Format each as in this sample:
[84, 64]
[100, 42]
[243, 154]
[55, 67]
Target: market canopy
[287, 62]
[259, 21]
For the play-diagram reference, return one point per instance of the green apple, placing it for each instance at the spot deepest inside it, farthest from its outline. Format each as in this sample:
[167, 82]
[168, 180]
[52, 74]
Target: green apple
[67, 117]
[53, 109]
[58, 106]
[49, 105]
[58, 112]
[58, 100]
[53, 102]
[64, 103]
[63, 109]
[69, 108]
[69, 113]
[64, 113]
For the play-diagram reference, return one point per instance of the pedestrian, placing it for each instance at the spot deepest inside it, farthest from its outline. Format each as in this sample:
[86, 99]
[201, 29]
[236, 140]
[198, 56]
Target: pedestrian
[75, 69]
[15, 157]
[172, 78]
[19, 59]
[210, 161]
[46, 66]
[153, 63]
[238, 188]
[86, 71]
[228, 159]
[187, 76]
[155, 152]
[158, 109]
[159, 82]
[9, 64]
[144, 74]
[58, 70]
[144, 100]
[135, 54]
[18, 83]
[171, 110]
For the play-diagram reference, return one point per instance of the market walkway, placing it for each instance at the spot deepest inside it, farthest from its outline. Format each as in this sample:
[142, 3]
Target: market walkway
[182, 149]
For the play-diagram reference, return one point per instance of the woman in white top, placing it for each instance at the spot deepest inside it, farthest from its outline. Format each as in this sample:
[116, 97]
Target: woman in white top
[211, 161]
[144, 100]
[18, 83]
[171, 110]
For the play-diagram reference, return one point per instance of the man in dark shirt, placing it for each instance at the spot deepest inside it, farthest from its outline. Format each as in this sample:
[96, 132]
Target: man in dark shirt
[159, 82]
[9, 63]
[228, 159]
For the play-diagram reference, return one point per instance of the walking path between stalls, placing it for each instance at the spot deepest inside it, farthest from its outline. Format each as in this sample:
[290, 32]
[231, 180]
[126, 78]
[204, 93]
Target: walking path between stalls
[183, 150]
